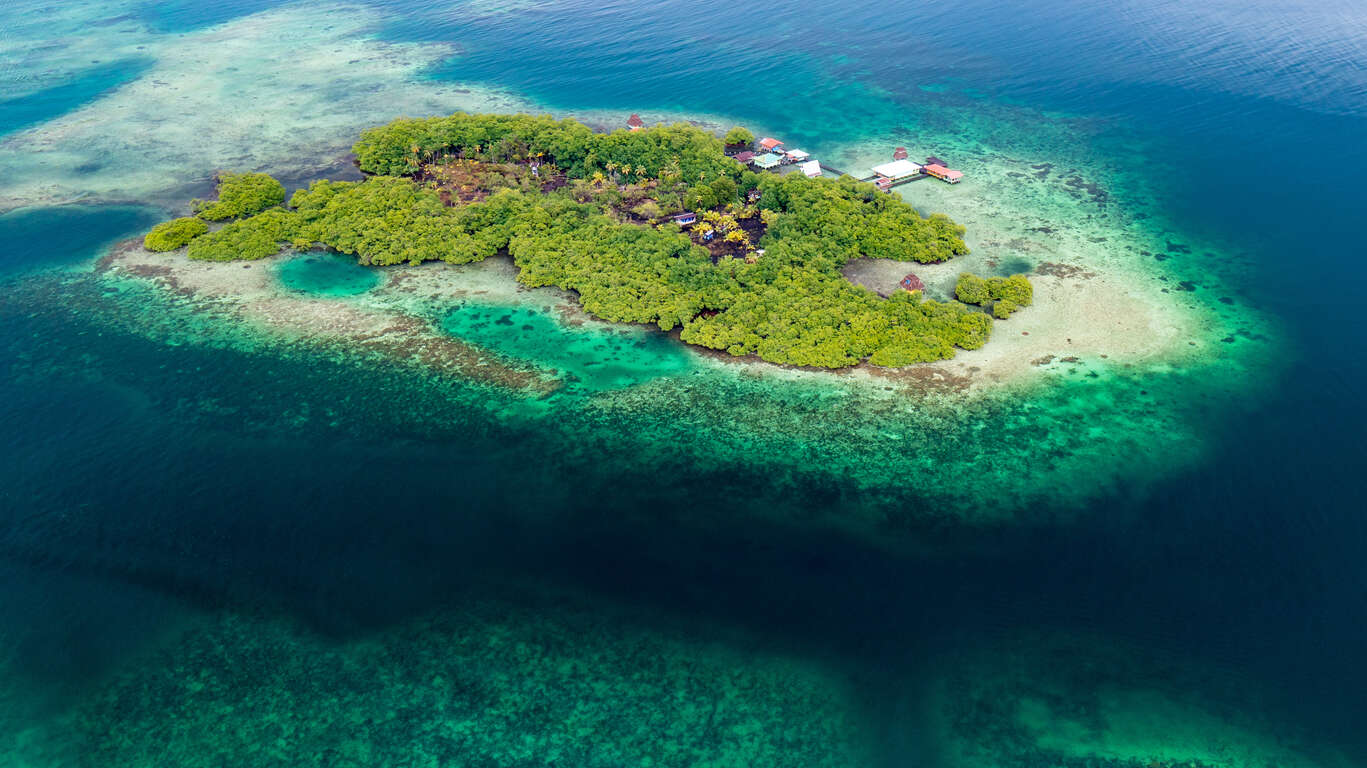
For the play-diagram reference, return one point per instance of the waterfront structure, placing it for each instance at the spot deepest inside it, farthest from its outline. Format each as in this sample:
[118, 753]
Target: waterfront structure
[899, 154]
[912, 283]
[796, 156]
[897, 170]
[635, 122]
[768, 161]
[812, 168]
[770, 145]
[944, 174]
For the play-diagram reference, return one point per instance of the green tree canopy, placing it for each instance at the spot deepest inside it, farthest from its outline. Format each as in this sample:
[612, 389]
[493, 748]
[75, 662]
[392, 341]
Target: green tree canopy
[173, 234]
[241, 194]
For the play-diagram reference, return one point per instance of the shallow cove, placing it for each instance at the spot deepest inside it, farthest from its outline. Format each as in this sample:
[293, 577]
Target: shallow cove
[591, 355]
[321, 273]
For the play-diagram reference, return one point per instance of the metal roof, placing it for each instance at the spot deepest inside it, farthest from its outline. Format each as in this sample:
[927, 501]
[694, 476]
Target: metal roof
[897, 169]
[768, 161]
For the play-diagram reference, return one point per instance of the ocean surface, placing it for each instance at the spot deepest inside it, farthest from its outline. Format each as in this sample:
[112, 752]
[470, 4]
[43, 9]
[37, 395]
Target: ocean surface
[220, 549]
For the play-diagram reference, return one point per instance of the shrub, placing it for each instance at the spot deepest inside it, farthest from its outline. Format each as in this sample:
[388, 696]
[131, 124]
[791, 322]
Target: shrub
[173, 234]
[738, 136]
[971, 289]
[1003, 308]
[246, 240]
[241, 194]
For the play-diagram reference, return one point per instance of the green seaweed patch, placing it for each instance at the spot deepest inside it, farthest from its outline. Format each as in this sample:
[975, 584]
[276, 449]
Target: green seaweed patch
[494, 685]
[240, 194]
[1080, 701]
[174, 234]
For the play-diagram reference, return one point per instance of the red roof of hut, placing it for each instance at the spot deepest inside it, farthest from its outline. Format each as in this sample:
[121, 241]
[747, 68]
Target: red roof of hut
[935, 169]
[900, 153]
[635, 121]
[770, 143]
[913, 283]
[745, 157]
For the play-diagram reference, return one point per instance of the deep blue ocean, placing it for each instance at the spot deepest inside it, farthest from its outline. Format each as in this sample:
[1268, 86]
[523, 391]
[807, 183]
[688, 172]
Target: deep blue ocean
[122, 511]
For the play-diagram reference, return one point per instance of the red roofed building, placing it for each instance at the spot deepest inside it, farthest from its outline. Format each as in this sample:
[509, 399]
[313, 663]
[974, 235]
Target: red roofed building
[635, 122]
[900, 153]
[912, 283]
[770, 144]
[944, 174]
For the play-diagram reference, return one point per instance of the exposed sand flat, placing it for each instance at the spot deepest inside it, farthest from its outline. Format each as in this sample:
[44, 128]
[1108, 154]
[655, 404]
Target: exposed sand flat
[286, 90]
[254, 294]
[1079, 316]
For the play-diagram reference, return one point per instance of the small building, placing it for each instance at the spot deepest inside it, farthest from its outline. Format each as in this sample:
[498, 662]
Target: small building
[770, 145]
[745, 158]
[899, 154]
[796, 156]
[767, 161]
[635, 122]
[685, 218]
[944, 174]
[897, 170]
[912, 283]
[884, 184]
[811, 168]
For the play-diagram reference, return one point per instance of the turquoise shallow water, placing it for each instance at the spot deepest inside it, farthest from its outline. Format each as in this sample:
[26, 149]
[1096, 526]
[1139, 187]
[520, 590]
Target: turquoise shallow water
[596, 359]
[362, 561]
[325, 274]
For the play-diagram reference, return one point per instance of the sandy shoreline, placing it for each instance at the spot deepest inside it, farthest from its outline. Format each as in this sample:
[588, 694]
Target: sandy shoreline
[256, 297]
[1081, 319]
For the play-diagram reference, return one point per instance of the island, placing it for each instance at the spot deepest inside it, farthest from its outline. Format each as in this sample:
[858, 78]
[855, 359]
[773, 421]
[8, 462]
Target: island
[653, 224]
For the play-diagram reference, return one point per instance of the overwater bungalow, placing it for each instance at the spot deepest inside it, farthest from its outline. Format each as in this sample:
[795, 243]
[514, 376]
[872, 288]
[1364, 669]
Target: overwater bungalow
[770, 145]
[944, 174]
[897, 170]
[899, 154]
[796, 156]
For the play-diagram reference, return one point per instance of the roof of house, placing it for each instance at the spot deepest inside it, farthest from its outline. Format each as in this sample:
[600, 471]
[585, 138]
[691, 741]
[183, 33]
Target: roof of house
[940, 170]
[745, 157]
[770, 143]
[768, 161]
[635, 120]
[899, 154]
[812, 168]
[913, 283]
[897, 169]
[685, 215]
[797, 154]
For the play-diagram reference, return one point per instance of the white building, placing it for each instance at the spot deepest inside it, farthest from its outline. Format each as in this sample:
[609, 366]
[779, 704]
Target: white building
[897, 170]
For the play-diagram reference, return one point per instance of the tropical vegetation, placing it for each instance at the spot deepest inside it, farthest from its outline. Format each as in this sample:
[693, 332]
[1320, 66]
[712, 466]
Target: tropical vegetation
[757, 274]
[240, 194]
[173, 234]
[1001, 295]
